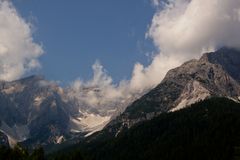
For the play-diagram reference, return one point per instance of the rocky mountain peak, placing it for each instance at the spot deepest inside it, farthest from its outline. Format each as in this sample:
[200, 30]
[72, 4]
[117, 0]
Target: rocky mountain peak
[214, 74]
[31, 108]
[228, 58]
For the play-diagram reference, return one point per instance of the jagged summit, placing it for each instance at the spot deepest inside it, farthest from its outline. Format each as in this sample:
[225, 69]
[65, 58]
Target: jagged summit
[229, 59]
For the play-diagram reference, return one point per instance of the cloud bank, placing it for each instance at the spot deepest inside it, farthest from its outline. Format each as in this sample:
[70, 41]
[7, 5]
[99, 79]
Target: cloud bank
[181, 30]
[18, 51]
[190, 27]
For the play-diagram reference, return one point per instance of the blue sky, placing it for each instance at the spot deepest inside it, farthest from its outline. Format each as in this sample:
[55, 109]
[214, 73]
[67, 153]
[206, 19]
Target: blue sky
[76, 33]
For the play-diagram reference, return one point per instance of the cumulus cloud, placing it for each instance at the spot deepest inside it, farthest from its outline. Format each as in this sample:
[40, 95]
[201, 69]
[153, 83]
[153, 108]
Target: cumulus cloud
[145, 78]
[187, 28]
[18, 51]
[183, 30]
[100, 93]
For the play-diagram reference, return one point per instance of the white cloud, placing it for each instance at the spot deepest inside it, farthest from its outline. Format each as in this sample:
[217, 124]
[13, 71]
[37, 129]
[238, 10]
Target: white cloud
[155, 2]
[183, 30]
[100, 93]
[189, 27]
[18, 51]
[144, 78]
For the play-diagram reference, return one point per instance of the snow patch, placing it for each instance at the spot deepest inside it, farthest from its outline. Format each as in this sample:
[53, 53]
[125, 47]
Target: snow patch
[12, 142]
[60, 139]
[97, 128]
[237, 100]
[93, 120]
[89, 123]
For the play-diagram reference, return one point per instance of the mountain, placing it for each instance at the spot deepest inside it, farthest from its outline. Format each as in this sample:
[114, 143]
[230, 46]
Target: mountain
[208, 130]
[214, 74]
[33, 109]
[35, 112]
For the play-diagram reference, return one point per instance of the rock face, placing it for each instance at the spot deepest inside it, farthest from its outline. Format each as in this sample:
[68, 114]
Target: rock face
[33, 109]
[214, 74]
[228, 59]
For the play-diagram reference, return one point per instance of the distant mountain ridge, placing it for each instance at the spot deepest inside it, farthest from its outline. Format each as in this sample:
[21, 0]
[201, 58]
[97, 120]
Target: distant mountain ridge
[36, 112]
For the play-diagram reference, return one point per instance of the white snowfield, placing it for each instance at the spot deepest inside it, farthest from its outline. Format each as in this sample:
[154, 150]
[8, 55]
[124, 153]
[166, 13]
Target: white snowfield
[89, 122]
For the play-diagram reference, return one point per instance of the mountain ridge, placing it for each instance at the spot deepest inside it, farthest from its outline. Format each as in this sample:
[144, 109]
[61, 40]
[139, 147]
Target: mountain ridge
[193, 81]
[40, 112]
